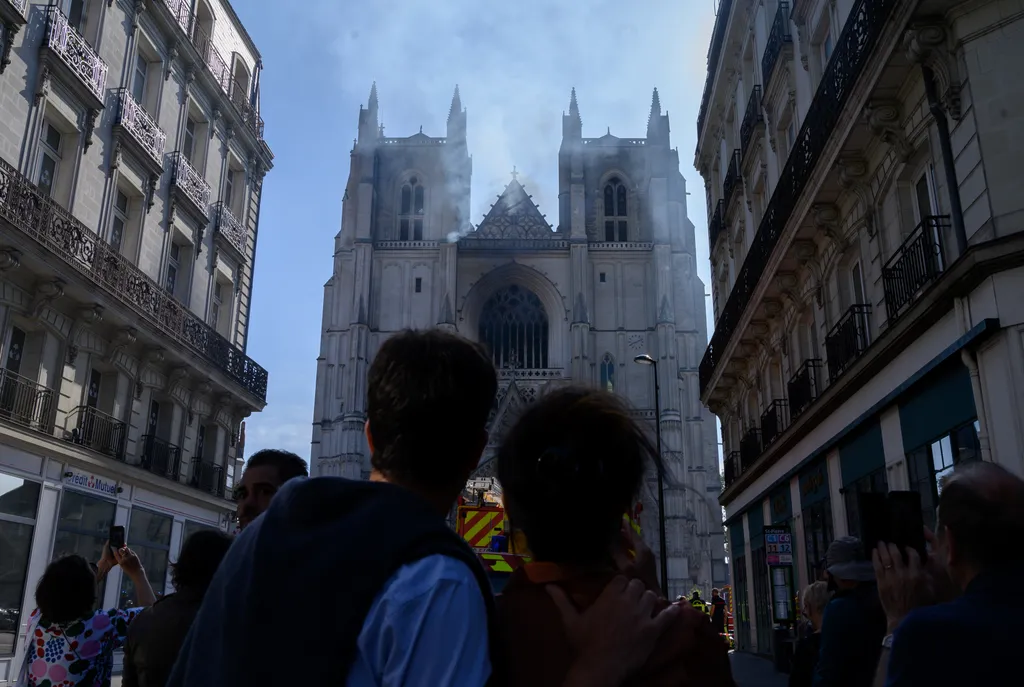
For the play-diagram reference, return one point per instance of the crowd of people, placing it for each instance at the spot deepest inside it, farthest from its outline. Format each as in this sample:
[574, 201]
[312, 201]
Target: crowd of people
[342, 582]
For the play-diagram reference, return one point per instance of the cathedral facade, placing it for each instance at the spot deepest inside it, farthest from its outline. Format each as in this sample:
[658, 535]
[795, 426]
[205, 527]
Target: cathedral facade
[614, 279]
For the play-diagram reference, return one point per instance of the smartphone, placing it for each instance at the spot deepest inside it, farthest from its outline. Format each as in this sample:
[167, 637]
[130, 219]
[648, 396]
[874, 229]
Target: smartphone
[116, 537]
[894, 518]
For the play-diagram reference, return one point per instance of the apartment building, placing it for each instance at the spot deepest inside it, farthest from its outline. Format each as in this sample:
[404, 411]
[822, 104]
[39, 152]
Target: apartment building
[861, 161]
[132, 161]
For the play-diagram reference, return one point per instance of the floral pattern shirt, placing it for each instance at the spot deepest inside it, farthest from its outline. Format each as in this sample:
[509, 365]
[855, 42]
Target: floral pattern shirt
[79, 654]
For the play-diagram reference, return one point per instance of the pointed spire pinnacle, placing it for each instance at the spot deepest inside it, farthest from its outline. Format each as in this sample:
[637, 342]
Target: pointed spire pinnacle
[456, 107]
[574, 107]
[372, 103]
[655, 105]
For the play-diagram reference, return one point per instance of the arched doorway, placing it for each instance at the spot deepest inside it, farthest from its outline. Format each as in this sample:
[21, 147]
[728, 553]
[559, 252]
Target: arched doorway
[514, 327]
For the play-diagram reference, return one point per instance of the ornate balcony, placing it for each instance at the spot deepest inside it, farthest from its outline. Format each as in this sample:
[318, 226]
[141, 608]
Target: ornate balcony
[145, 134]
[848, 340]
[733, 177]
[714, 52]
[191, 185]
[56, 230]
[802, 388]
[207, 477]
[76, 57]
[160, 457]
[716, 225]
[181, 13]
[750, 448]
[774, 421]
[12, 18]
[914, 265]
[854, 47]
[230, 229]
[780, 40]
[753, 120]
[239, 96]
[96, 430]
[732, 468]
[25, 402]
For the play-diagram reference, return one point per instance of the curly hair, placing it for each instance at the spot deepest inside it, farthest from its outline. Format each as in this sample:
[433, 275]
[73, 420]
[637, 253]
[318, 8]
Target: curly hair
[67, 590]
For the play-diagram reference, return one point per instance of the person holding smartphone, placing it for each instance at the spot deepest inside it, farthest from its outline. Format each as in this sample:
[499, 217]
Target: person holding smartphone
[68, 642]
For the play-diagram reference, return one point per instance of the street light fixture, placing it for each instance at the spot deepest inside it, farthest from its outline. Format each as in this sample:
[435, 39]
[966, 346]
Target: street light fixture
[645, 359]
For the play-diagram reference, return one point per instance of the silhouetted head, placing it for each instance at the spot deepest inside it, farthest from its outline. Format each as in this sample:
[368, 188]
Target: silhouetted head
[200, 557]
[264, 474]
[67, 590]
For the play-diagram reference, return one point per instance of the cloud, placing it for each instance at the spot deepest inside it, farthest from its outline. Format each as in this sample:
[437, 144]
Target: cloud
[283, 426]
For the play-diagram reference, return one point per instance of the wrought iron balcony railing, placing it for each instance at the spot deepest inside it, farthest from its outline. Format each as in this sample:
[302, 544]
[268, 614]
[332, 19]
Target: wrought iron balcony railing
[802, 388]
[53, 227]
[135, 120]
[774, 421]
[25, 402]
[78, 55]
[714, 52]
[752, 119]
[240, 98]
[848, 339]
[778, 39]
[750, 448]
[716, 224]
[207, 477]
[732, 468]
[160, 457]
[190, 182]
[19, 5]
[855, 45]
[230, 228]
[182, 13]
[914, 265]
[96, 430]
[733, 176]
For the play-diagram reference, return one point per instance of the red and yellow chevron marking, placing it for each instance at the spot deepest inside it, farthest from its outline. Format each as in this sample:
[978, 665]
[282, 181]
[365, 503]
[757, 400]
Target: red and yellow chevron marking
[476, 525]
[502, 562]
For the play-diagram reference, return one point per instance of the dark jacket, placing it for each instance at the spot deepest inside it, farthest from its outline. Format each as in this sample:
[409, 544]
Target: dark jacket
[805, 660]
[718, 614]
[852, 630]
[313, 562]
[155, 638]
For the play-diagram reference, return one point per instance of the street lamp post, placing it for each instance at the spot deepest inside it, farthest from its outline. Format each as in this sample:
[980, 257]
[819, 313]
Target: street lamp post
[645, 359]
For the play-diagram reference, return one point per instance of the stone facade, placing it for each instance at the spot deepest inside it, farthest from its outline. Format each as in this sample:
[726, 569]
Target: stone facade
[866, 246]
[608, 282]
[131, 167]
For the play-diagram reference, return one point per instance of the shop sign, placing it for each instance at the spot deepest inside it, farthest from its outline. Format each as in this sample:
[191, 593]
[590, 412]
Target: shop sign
[778, 544]
[84, 480]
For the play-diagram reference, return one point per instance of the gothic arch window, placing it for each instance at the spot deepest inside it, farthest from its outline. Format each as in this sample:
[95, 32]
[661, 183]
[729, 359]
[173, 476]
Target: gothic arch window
[412, 209]
[514, 327]
[608, 372]
[615, 210]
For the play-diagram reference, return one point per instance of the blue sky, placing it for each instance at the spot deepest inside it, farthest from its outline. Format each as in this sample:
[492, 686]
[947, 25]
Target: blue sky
[515, 63]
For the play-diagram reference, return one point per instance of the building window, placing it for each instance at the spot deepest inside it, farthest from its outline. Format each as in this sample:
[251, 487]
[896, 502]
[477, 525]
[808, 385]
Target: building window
[139, 79]
[19, 500]
[419, 284]
[193, 527]
[412, 211]
[608, 372]
[216, 304]
[514, 327]
[83, 526]
[188, 143]
[49, 159]
[615, 211]
[120, 220]
[826, 50]
[602, 278]
[149, 536]
[173, 264]
[818, 535]
[927, 465]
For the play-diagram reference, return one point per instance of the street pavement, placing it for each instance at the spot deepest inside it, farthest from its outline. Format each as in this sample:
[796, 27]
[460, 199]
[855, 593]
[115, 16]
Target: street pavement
[753, 671]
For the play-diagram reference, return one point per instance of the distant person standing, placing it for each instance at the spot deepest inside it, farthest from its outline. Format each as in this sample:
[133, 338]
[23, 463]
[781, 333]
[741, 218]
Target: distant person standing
[805, 658]
[697, 602]
[717, 611]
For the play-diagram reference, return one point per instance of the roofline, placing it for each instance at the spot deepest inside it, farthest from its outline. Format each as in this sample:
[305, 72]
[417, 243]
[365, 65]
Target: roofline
[242, 30]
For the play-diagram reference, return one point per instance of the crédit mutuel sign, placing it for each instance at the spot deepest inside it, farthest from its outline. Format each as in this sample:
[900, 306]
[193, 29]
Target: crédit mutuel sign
[84, 480]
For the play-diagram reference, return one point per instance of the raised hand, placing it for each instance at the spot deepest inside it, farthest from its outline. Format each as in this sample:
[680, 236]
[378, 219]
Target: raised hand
[128, 561]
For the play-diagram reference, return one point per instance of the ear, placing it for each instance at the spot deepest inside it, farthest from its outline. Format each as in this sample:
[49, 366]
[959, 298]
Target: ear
[369, 436]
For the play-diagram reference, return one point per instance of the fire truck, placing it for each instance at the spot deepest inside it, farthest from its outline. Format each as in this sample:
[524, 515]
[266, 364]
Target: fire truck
[482, 522]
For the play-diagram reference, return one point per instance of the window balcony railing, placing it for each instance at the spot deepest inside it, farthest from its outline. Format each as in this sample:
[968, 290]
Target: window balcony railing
[230, 228]
[779, 38]
[733, 177]
[714, 52]
[750, 448]
[25, 402]
[19, 5]
[53, 227]
[135, 120]
[716, 224]
[860, 34]
[181, 12]
[732, 468]
[802, 388]
[914, 265]
[207, 477]
[160, 457]
[96, 430]
[753, 118]
[240, 98]
[774, 421]
[190, 182]
[76, 54]
[848, 339]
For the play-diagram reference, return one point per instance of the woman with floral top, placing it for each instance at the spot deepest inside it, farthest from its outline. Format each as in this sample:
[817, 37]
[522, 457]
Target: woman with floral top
[68, 643]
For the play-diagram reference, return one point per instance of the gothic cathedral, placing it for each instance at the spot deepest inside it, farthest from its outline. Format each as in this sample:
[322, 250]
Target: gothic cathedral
[616, 278]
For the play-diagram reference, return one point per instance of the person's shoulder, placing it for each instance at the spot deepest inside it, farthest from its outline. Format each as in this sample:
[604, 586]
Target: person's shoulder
[932, 622]
[425, 575]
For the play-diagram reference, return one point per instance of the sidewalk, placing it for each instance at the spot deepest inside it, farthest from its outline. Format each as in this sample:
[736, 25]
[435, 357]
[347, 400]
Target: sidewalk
[750, 670]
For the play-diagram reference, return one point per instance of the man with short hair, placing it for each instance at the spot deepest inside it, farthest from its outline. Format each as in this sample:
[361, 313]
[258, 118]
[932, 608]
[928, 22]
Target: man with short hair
[264, 474]
[363, 583]
[975, 638]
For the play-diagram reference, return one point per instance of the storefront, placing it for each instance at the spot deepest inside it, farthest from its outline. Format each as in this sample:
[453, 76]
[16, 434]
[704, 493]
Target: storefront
[816, 515]
[862, 463]
[761, 581]
[741, 618]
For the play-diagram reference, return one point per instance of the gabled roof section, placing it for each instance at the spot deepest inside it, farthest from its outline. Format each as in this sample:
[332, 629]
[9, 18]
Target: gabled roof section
[513, 216]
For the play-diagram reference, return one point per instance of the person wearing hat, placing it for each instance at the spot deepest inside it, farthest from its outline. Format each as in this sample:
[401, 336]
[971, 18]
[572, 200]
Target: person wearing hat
[853, 625]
